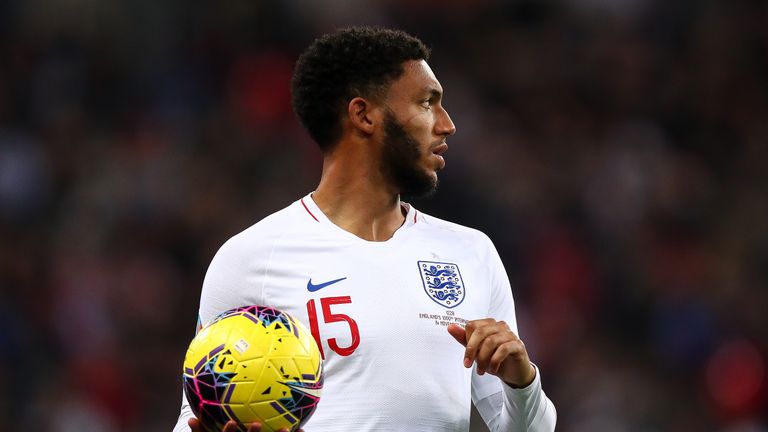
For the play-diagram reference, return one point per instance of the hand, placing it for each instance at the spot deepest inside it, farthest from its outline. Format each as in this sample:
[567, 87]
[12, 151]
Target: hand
[231, 426]
[496, 349]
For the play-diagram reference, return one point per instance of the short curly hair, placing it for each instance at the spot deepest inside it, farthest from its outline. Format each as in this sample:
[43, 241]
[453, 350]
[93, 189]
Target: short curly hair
[337, 67]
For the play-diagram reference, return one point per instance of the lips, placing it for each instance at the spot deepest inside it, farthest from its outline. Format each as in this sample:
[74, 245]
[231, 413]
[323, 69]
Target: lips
[438, 153]
[440, 149]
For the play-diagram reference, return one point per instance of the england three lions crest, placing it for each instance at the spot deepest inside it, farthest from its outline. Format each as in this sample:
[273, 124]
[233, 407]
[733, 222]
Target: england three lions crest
[442, 282]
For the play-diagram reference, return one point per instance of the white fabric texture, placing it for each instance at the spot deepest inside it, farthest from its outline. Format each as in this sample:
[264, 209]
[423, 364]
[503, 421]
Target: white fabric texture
[402, 371]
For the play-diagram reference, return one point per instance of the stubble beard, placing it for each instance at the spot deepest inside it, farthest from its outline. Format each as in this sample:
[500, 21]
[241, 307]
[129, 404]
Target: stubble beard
[400, 161]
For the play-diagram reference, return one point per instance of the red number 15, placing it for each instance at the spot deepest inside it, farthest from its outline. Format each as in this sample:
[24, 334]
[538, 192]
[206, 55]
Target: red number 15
[329, 317]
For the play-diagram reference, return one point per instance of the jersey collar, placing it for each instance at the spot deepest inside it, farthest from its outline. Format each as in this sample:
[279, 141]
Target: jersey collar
[315, 215]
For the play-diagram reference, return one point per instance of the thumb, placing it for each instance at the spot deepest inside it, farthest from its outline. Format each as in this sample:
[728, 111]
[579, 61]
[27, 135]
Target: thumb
[458, 333]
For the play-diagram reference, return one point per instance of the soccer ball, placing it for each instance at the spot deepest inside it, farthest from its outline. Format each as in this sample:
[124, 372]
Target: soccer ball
[250, 364]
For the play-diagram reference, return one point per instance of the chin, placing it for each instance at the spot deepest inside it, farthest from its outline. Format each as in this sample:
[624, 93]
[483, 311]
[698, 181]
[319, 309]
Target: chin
[424, 188]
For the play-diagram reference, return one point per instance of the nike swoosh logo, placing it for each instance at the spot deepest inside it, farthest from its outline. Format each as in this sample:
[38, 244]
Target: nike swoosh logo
[312, 287]
[306, 390]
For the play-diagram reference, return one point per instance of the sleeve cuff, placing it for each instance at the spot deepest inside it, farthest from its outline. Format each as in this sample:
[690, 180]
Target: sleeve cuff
[523, 393]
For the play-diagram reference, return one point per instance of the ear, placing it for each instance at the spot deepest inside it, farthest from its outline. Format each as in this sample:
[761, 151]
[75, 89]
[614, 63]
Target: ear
[362, 115]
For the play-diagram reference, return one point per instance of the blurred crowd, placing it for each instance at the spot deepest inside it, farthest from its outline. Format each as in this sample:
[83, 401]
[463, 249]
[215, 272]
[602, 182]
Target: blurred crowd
[616, 151]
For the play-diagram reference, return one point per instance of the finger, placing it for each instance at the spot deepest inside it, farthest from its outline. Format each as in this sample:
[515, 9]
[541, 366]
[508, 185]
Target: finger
[477, 331]
[473, 325]
[254, 427]
[458, 333]
[488, 348]
[231, 426]
[503, 352]
[194, 424]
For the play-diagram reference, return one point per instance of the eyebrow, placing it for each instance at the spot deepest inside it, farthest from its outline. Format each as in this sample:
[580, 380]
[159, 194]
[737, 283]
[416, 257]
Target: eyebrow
[433, 93]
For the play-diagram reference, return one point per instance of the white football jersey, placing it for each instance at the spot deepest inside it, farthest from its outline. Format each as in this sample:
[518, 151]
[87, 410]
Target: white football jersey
[379, 311]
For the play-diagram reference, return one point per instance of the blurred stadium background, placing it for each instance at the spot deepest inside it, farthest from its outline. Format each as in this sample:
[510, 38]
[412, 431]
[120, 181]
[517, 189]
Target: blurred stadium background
[615, 150]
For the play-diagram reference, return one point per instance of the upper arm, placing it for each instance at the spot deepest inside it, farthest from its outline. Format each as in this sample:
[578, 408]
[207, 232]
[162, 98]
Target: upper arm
[232, 279]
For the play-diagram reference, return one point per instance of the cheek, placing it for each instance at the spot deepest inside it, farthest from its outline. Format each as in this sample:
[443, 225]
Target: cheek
[421, 121]
[422, 130]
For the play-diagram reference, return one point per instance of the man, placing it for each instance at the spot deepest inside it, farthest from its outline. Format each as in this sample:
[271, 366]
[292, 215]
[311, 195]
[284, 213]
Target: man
[414, 315]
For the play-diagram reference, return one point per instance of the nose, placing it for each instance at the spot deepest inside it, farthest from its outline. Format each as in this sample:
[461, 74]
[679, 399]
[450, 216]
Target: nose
[444, 125]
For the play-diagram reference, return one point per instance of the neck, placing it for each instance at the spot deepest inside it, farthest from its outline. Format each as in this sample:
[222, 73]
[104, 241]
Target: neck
[355, 197]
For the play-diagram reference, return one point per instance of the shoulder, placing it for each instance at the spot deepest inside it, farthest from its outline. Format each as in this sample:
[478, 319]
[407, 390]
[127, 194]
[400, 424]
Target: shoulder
[454, 232]
[264, 233]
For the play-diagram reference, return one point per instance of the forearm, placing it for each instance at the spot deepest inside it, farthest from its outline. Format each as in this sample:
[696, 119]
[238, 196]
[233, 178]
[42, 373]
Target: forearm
[519, 410]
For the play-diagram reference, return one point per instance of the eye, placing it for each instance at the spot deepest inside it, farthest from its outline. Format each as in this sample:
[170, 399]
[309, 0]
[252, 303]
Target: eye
[427, 103]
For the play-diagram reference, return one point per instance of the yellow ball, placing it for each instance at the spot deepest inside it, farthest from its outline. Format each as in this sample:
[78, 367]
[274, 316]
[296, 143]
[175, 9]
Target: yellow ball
[253, 364]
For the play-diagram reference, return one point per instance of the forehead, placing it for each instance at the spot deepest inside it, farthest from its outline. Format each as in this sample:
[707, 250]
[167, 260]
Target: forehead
[417, 78]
